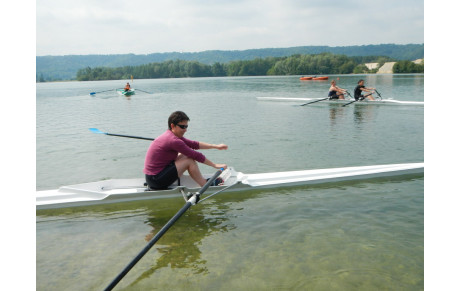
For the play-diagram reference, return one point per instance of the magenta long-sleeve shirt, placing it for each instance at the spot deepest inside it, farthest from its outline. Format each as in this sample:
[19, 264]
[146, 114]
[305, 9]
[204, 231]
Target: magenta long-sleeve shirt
[164, 149]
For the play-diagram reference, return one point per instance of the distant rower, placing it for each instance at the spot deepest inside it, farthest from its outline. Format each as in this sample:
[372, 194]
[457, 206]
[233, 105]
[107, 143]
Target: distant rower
[335, 92]
[360, 89]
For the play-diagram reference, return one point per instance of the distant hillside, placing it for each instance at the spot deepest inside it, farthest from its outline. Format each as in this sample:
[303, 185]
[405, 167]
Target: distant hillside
[66, 67]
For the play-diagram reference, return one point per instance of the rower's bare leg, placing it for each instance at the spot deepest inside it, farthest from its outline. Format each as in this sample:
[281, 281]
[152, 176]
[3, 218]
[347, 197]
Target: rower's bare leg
[370, 97]
[184, 163]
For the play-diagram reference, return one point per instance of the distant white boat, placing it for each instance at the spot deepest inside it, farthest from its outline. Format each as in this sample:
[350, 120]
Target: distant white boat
[341, 102]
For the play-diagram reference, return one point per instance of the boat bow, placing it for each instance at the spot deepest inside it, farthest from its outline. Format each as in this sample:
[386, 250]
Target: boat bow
[329, 175]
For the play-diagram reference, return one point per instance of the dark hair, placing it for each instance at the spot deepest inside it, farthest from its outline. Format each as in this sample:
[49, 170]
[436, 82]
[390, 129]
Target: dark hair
[360, 81]
[177, 117]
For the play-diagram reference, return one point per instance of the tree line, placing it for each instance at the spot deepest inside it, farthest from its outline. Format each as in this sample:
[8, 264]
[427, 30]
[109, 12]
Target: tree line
[324, 63]
[408, 67]
[54, 68]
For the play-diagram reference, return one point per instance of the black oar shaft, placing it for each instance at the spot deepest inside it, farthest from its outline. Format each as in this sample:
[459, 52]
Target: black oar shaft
[314, 101]
[162, 231]
[364, 97]
[349, 103]
[210, 181]
[92, 93]
[148, 246]
[130, 136]
[144, 91]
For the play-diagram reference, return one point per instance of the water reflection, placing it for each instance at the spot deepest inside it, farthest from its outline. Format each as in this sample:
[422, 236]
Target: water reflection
[363, 113]
[336, 114]
[179, 247]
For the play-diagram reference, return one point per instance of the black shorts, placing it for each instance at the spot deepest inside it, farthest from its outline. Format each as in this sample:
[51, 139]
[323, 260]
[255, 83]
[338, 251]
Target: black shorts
[333, 97]
[164, 179]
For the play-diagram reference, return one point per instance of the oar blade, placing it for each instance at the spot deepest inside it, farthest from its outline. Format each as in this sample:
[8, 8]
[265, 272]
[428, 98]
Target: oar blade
[95, 130]
[94, 93]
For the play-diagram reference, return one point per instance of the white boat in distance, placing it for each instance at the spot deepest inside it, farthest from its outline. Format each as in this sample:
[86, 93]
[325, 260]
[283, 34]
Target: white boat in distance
[123, 190]
[341, 102]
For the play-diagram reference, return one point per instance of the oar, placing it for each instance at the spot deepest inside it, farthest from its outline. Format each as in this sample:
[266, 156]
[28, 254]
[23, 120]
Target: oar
[313, 101]
[349, 103]
[364, 97]
[144, 91]
[93, 93]
[378, 94]
[193, 200]
[95, 130]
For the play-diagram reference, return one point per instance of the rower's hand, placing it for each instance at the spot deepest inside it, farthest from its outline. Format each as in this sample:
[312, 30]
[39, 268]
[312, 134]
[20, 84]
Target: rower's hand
[220, 166]
[221, 146]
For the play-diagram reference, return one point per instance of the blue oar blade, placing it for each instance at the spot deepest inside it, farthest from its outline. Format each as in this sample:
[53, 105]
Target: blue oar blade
[95, 130]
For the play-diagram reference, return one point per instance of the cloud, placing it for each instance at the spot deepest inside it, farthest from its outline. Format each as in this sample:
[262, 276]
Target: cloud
[141, 26]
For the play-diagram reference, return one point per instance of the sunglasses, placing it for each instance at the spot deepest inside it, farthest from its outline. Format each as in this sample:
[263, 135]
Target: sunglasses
[182, 126]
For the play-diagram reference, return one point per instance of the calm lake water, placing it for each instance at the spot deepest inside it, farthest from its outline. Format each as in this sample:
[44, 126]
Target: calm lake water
[365, 235]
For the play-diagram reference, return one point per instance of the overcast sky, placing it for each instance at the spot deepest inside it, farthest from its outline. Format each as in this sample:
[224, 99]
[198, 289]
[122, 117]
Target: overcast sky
[150, 26]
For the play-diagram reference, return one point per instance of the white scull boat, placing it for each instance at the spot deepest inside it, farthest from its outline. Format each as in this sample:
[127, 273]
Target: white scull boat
[123, 190]
[341, 102]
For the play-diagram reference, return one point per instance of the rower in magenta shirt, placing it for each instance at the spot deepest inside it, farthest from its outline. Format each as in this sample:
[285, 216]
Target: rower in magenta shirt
[171, 154]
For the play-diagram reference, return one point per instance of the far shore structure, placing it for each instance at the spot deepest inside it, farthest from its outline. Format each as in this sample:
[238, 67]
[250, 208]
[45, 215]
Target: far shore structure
[387, 68]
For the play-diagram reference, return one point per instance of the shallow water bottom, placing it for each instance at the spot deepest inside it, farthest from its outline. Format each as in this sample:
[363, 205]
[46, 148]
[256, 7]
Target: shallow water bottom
[353, 236]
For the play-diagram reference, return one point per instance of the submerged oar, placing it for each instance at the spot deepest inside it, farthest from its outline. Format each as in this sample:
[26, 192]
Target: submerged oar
[93, 93]
[95, 130]
[193, 200]
[143, 91]
[314, 101]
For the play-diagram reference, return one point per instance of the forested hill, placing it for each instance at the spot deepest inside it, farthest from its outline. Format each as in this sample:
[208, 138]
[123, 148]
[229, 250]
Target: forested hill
[66, 67]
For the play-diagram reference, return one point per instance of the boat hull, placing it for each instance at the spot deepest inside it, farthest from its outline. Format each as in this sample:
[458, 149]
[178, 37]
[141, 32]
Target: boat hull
[341, 102]
[124, 190]
[126, 93]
